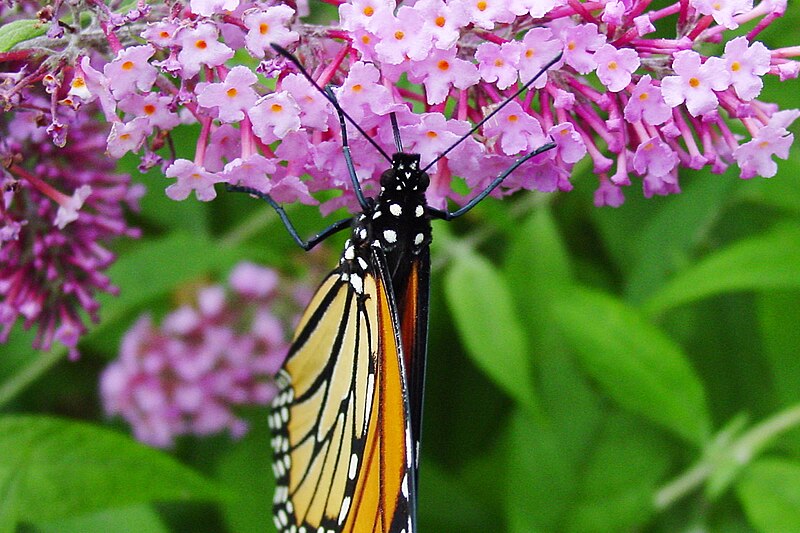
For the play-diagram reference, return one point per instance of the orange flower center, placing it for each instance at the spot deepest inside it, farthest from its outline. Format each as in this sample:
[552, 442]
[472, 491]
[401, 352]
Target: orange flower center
[694, 83]
[128, 65]
[612, 65]
[644, 96]
[432, 134]
[79, 83]
[399, 35]
[736, 66]
[149, 109]
[232, 92]
[276, 108]
[443, 65]
[481, 6]
[357, 88]
[201, 44]
[369, 11]
[440, 20]
[263, 28]
[513, 118]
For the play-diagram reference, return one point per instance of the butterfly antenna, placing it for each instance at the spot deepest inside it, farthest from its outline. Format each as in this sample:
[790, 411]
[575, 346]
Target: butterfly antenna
[496, 110]
[288, 55]
[398, 142]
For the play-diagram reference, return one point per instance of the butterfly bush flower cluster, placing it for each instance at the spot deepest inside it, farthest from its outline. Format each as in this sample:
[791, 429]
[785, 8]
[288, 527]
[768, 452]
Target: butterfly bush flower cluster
[60, 209]
[636, 92]
[189, 374]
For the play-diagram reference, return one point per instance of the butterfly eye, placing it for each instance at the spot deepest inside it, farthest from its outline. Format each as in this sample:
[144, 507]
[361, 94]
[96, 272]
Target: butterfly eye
[424, 180]
[387, 178]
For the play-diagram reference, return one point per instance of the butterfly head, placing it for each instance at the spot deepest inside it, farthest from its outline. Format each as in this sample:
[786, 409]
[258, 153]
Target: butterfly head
[405, 176]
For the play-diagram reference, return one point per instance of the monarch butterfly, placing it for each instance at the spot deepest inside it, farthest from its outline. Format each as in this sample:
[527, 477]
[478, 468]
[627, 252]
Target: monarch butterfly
[347, 419]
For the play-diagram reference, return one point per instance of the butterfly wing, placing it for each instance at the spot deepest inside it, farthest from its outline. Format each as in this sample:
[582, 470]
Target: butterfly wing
[341, 426]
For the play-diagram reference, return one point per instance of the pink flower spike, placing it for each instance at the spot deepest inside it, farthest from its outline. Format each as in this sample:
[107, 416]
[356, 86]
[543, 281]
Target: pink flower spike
[569, 143]
[746, 64]
[498, 63]
[68, 210]
[131, 70]
[274, 116]
[192, 177]
[723, 11]
[250, 279]
[441, 70]
[401, 36]
[579, 43]
[208, 8]
[363, 91]
[201, 47]
[695, 83]
[614, 66]
[518, 131]
[233, 96]
[646, 103]
[269, 26]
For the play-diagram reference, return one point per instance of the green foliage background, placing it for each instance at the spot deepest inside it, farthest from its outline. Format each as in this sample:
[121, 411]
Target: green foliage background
[590, 370]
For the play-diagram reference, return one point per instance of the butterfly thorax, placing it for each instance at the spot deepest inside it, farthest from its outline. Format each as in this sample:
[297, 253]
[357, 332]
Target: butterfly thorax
[396, 222]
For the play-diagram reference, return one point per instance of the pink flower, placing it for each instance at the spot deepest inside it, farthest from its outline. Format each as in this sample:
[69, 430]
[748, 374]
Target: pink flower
[233, 96]
[364, 13]
[646, 103]
[614, 66]
[695, 82]
[518, 131]
[152, 108]
[485, 13]
[274, 116]
[208, 8]
[441, 70]
[199, 46]
[192, 177]
[755, 156]
[131, 71]
[267, 27]
[127, 136]
[579, 43]
[443, 21]
[540, 47]
[723, 11]
[498, 63]
[746, 64]
[253, 172]
[402, 36]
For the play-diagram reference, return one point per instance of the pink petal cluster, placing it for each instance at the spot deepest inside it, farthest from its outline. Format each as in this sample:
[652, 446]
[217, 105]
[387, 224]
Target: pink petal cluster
[191, 373]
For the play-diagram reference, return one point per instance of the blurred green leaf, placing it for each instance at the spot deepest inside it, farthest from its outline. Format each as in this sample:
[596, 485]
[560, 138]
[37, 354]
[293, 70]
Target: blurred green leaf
[663, 245]
[157, 267]
[52, 469]
[446, 504]
[17, 31]
[770, 494]
[137, 519]
[246, 471]
[779, 316]
[768, 261]
[636, 363]
[481, 305]
[619, 478]
[540, 479]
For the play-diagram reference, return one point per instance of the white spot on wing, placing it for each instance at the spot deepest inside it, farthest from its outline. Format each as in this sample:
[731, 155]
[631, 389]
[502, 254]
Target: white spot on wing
[351, 472]
[419, 211]
[390, 236]
[357, 283]
[396, 210]
[418, 239]
[349, 253]
[345, 509]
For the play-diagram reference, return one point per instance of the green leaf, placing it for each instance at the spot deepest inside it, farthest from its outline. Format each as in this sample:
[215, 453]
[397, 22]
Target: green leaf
[17, 31]
[540, 479]
[246, 471]
[481, 305]
[770, 494]
[51, 469]
[636, 363]
[779, 315]
[662, 245]
[770, 261]
[619, 477]
[158, 267]
[137, 519]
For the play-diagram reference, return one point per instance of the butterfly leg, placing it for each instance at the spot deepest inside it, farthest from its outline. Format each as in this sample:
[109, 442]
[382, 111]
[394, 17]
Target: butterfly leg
[305, 245]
